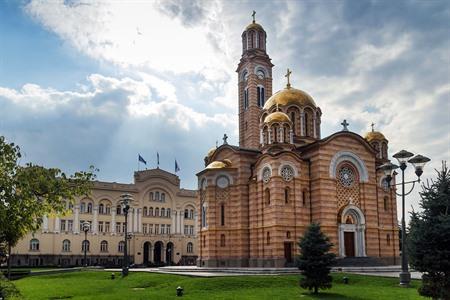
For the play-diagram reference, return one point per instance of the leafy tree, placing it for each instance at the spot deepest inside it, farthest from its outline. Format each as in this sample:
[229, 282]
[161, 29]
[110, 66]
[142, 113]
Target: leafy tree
[315, 260]
[29, 192]
[429, 237]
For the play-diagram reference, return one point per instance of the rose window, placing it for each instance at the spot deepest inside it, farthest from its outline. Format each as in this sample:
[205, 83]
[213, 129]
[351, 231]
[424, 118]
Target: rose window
[287, 173]
[266, 174]
[346, 176]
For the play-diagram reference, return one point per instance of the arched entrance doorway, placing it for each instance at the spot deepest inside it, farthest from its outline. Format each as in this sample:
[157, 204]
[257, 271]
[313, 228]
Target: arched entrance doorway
[147, 249]
[169, 253]
[157, 251]
[351, 232]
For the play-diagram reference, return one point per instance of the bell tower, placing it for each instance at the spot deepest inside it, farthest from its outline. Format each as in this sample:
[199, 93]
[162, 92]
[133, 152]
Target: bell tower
[255, 83]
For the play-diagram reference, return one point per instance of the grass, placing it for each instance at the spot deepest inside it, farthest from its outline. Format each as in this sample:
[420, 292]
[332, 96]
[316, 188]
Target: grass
[98, 285]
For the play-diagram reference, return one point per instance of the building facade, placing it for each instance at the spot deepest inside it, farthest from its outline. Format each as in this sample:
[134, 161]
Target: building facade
[161, 220]
[257, 199]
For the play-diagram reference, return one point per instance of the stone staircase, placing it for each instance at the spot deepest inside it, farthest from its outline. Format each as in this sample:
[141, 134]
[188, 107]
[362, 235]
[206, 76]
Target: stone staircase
[359, 262]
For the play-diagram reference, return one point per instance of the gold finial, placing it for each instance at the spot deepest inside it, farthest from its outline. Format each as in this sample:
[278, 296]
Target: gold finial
[373, 124]
[253, 15]
[288, 75]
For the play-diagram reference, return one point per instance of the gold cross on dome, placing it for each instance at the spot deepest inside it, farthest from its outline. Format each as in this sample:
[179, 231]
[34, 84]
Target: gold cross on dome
[253, 15]
[288, 75]
[373, 124]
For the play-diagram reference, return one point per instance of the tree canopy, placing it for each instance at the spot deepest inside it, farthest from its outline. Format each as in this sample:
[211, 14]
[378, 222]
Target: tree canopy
[429, 237]
[29, 192]
[315, 260]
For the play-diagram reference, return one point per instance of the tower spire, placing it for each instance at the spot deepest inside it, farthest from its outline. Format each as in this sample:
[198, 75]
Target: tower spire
[373, 124]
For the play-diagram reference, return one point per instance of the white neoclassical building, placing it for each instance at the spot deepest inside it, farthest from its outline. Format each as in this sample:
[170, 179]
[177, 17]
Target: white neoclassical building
[162, 220]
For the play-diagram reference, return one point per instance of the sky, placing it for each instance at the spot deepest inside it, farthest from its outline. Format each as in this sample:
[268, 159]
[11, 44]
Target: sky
[97, 83]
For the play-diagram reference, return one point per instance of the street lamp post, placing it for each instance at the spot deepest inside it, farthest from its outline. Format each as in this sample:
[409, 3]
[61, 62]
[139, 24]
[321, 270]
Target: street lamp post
[125, 202]
[418, 162]
[86, 227]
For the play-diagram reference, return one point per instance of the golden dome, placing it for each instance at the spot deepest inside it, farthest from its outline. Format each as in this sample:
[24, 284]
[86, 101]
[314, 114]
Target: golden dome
[211, 152]
[219, 164]
[289, 96]
[254, 26]
[374, 135]
[277, 116]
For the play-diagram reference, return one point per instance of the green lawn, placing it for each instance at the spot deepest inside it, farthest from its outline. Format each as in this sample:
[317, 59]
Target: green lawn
[98, 285]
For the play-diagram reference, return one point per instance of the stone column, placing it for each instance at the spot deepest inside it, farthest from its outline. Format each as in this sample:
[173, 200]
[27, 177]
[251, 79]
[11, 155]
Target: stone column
[175, 229]
[76, 222]
[135, 220]
[45, 224]
[182, 223]
[269, 141]
[281, 135]
[150, 253]
[130, 215]
[179, 221]
[113, 222]
[261, 137]
[302, 123]
[139, 220]
[173, 223]
[315, 126]
[291, 136]
[195, 222]
[95, 221]
[57, 224]
[163, 254]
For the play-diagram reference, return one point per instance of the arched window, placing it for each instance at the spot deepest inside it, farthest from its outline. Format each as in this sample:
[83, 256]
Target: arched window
[222, 214]
[157, 212]
[388, 239]
[163, 197]
[261, 40]
[186, 214]
[267, 196]
[386, 203]
[191, 214]
[89, 208]
[66, 246]
[104, 246]
[384, 150]
[107, 209]
[190, 247]
[85, 245]
[260, 95]
[163, 212]
[34, 245]
[244, 41]
[101, 209]
[288, 235]
[82, 207]
[286, 195]
[293, 121]
[306, 124]
[168, 213]
[144, 211]
[252, 38]
[151, 196]
[246, 98]
[150, 211]
[157, 196]
[268, 238]
[222, 240]
[121, 247]
[118, 209]
[203, 216]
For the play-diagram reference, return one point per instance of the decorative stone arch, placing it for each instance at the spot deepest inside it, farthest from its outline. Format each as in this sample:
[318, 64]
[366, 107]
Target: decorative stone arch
[261, 170]
[219, 174]
[202, 183]
[160, 187]
[342, 156]
[242, 75]
[352, 232]
[287, 163]
[262, 68]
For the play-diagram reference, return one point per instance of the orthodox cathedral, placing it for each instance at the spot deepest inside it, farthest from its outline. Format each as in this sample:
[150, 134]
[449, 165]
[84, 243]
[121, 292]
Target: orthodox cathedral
[257, 199]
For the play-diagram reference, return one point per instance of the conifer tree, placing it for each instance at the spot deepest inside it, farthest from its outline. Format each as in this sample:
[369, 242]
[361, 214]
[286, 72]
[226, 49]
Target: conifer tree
[429, 237]
[315, 260]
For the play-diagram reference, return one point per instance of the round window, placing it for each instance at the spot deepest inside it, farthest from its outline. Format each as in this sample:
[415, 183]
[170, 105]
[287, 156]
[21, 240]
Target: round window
[222, 182]
[266, 174]
[346, 176]
[260, 74]
[287, 173]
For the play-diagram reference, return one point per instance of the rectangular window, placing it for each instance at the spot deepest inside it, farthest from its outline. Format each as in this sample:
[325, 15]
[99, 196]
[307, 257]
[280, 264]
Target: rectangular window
[118, 227]
[63, 225]
[186, 230]
[163, 227]
[100, 226]
[70, 225]
[191, 230]
[156, 229]
[106, 226]
[168, 229]
[124, 226]
[222, 214]
[144, 228]
[150, 228]
[81, 225]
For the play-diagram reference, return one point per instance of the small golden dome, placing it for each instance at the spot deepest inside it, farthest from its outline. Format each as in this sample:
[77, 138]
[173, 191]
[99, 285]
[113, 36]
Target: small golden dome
[289, 96]
[219, 164]
[254, 26]
[211, 152]
[277, 116]
[374, 135]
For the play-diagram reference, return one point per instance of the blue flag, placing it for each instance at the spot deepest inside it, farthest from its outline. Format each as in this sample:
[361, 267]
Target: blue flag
[177, 168]
[141, 159]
